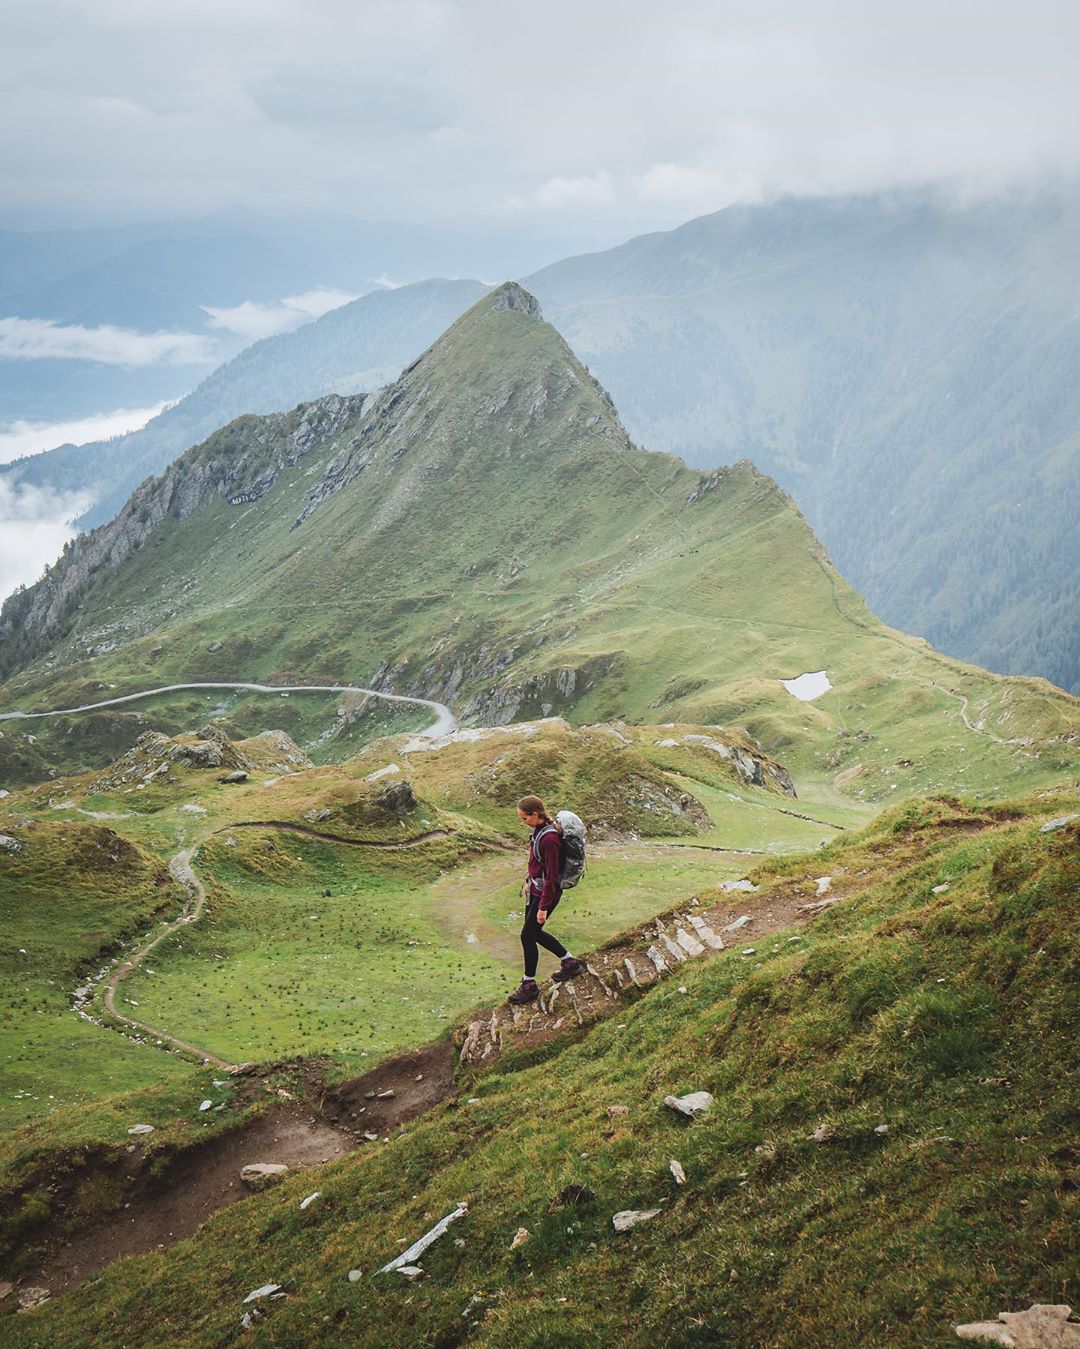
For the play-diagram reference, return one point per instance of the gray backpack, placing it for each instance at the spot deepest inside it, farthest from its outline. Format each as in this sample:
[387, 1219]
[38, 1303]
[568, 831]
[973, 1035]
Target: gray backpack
[571, 832]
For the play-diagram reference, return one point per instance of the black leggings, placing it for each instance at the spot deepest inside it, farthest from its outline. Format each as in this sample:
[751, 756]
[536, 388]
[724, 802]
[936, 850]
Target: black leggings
[533, 935]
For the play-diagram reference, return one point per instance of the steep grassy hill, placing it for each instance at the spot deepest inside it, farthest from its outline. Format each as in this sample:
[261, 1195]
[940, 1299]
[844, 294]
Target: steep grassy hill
[485, 533]
[885, 1155]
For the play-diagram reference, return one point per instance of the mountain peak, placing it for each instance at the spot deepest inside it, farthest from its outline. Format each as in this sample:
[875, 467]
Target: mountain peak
[512, 296]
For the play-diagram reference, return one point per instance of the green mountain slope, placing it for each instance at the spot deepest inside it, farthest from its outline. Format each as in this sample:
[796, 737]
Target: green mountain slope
[484, 532]
[903, 367]
[884, 1158]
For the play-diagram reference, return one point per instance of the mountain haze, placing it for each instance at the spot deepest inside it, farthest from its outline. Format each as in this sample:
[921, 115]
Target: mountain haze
[484, 532]
[905, 369]
[354, 348]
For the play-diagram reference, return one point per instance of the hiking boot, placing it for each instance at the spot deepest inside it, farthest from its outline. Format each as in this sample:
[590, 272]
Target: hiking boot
[527, 991]
[568, 969]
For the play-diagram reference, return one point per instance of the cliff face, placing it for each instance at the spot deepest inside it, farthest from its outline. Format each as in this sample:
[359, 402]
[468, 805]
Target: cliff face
[241, 463]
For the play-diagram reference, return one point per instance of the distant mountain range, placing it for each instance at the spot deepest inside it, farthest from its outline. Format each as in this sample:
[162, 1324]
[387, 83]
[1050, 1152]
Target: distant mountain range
[354, 349]
[160, 277]
[906, 370]
[484, 532]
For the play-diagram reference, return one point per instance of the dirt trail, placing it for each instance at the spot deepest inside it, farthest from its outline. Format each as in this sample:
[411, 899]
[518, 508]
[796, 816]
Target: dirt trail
[181, 868]
[286, 826]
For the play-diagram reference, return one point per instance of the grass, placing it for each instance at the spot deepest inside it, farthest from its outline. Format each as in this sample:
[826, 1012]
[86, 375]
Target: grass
[900, 1007]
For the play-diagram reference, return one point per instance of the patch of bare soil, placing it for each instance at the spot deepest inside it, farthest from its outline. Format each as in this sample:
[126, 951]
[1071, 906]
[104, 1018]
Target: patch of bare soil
[394, 1092]
[199, 1182]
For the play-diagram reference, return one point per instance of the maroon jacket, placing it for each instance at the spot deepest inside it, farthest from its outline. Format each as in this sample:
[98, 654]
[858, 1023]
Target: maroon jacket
[544, 874]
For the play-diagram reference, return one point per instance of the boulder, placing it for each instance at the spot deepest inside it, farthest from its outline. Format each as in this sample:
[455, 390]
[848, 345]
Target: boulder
[199, 754]
[1042, 1326]
[694, 1104]
[9, 844]
[398, 797]
[237, 775]
[630, 1217]
[1059, 823]
[257, 1175]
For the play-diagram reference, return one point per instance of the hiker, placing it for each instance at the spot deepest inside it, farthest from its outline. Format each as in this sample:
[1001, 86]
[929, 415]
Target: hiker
[541, 892]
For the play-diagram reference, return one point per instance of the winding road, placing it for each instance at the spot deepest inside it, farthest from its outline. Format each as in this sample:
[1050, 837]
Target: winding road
[444, 722]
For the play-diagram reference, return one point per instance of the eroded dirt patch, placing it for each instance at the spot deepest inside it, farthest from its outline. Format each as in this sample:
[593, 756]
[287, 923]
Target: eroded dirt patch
[418, 1081]
[199, 1182]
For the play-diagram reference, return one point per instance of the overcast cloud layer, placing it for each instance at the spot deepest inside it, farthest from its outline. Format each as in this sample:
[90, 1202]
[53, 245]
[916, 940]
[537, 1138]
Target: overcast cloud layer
[434, 108]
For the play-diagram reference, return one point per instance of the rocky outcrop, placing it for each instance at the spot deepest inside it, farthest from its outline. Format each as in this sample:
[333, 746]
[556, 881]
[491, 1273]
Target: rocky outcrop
[512, 296]
[241, 463]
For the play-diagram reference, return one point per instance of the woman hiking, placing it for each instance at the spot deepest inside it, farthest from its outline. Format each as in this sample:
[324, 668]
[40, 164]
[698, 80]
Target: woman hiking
[541, 892]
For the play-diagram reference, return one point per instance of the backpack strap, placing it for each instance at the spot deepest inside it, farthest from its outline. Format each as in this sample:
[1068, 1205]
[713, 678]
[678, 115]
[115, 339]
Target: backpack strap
[547, 829]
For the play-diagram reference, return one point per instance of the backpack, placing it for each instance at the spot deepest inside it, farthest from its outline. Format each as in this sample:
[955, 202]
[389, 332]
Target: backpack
[571, 831]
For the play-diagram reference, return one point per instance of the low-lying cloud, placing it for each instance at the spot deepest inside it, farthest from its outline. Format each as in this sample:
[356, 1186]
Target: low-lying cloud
[43, 339]
[35, 523]
[26, 437]
[254, 321]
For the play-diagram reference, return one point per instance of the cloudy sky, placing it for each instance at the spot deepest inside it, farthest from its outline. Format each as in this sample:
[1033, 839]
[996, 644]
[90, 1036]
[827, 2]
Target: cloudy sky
[585, 119]
[609, 110]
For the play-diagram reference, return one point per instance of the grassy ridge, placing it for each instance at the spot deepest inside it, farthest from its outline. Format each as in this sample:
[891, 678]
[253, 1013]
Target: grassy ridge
[901, 1007]
[648, 593]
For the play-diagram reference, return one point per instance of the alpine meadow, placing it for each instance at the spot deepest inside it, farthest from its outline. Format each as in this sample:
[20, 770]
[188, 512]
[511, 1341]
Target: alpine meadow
[263, 736]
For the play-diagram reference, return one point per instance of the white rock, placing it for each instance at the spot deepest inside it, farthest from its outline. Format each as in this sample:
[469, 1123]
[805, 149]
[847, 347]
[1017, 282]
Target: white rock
[677, 1171]
[744, 884]
[1042, 1326]
[355, 1275]
[410, 1272]
[705, 932]
[521, 1236]
[881, 1128]
[693, 1104]
[9, 844]
[738, 923]
[630, 1217]
[750, 951]
[1059, 823]
[264, 1291]
[262, 1173]
[32, 1297]
[307, 1203]
[141, 1129]
[940, 889]
[383, 772]
[193, 809]
[419, 1247]
[824, 885]
[689, 944]
[823, 1133]
[205, 1105]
